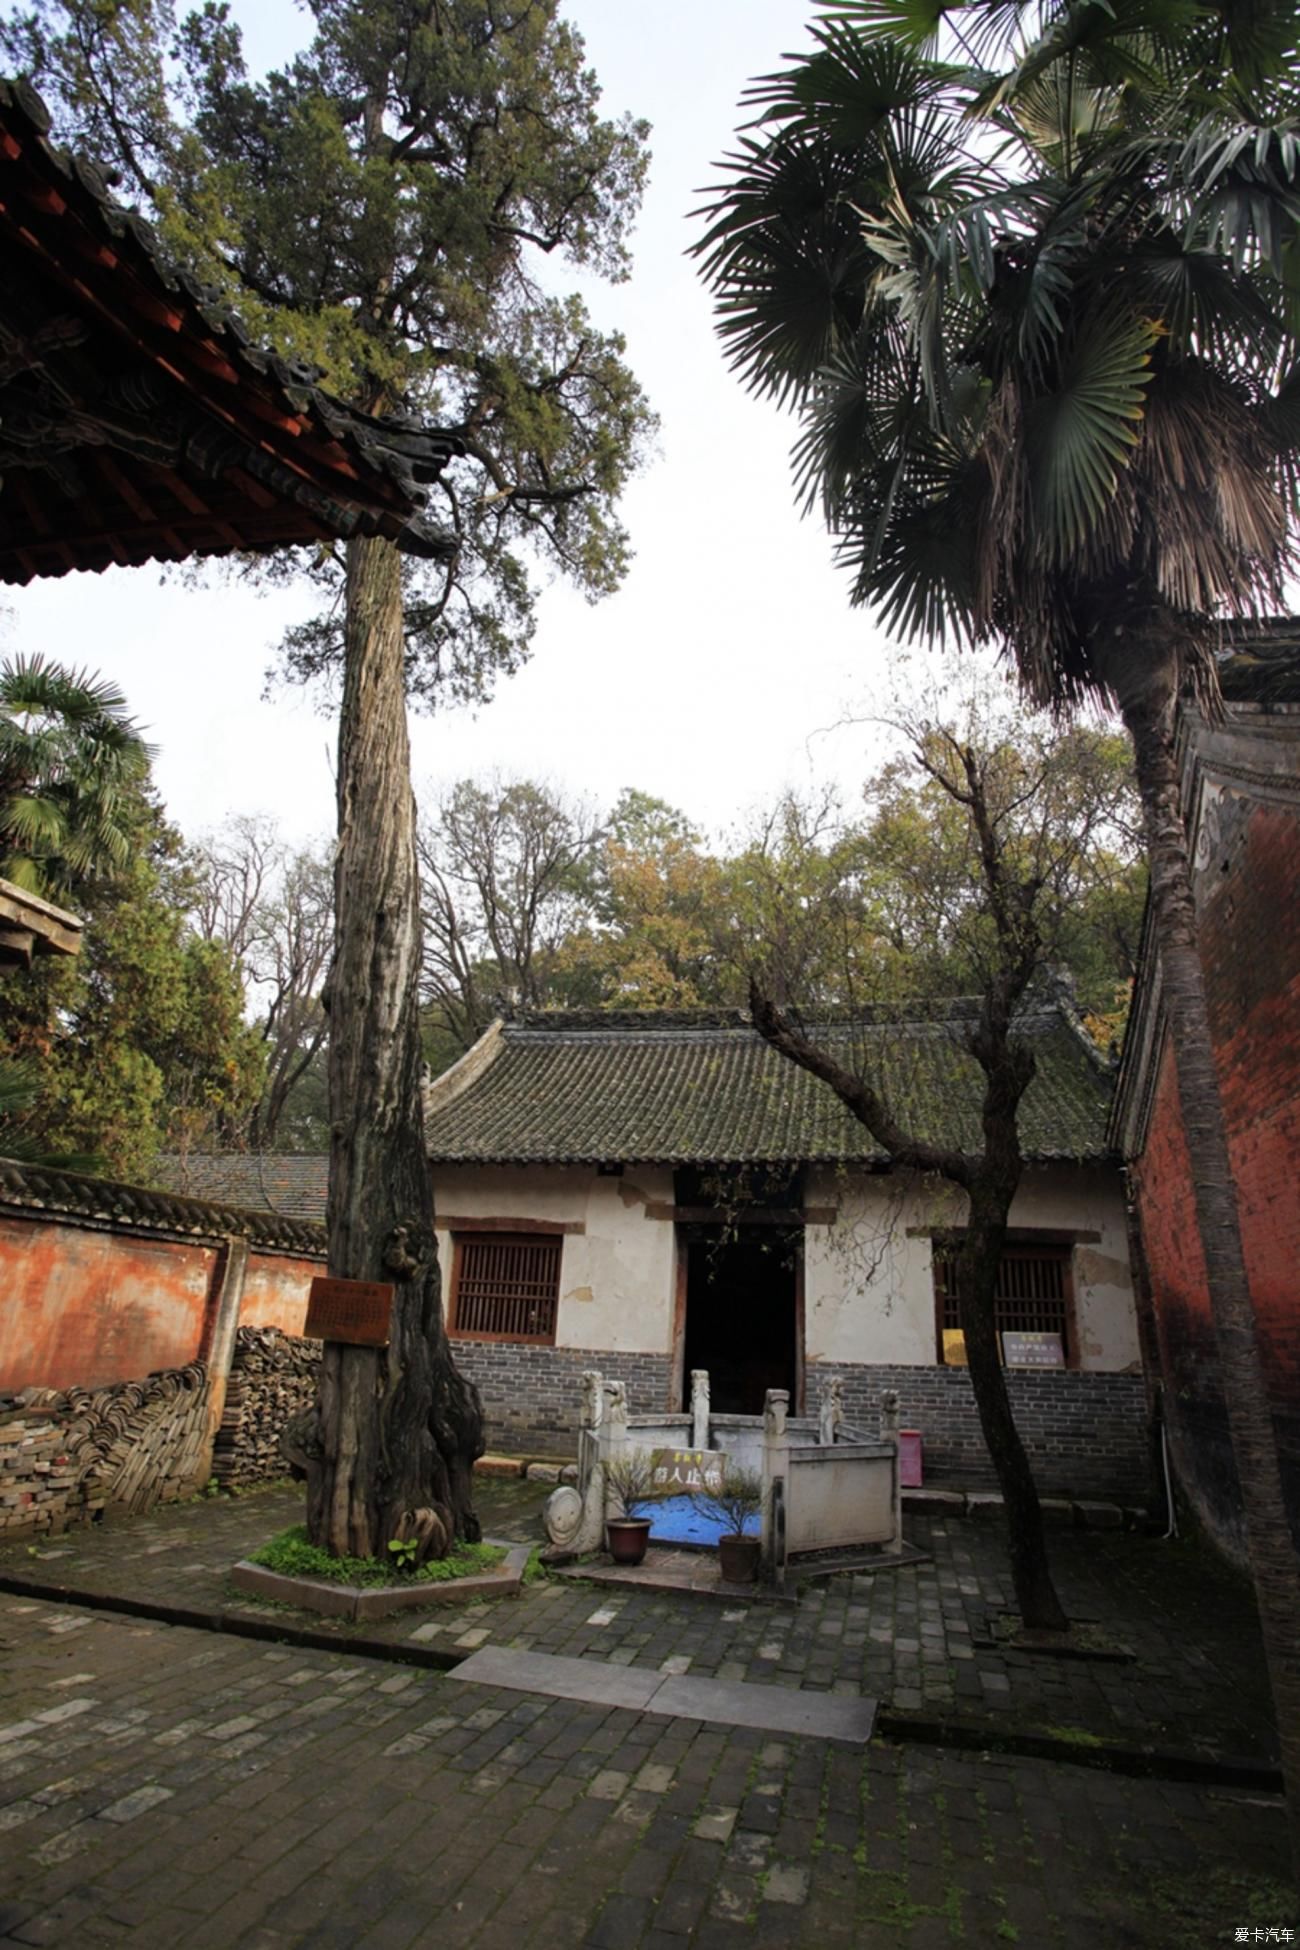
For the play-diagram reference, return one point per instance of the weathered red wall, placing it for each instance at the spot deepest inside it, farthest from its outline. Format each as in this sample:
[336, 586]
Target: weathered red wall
[275, 1292]
[1249, 915]
[82, 1307]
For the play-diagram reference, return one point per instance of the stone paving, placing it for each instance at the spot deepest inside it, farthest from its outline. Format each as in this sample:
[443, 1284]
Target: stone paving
[916, 1637]
[162, 1787]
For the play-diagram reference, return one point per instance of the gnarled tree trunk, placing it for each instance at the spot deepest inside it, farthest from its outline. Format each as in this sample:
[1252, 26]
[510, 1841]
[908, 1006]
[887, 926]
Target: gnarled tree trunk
[977, 1277]
[1145, 687]
[397, 1429]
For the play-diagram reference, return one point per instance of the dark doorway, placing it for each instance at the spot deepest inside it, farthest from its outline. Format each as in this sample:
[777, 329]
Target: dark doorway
[742, 1313]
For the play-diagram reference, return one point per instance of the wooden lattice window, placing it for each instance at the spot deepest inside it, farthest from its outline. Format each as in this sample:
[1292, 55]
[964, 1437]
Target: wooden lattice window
[505, 1286]
[1033, 1296]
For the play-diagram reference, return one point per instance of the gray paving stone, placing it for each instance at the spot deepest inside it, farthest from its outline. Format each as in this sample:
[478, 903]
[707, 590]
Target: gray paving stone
[774, 1709]
[561, 1678]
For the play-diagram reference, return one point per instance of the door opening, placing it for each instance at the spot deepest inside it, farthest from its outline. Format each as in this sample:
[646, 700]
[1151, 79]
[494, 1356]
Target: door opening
[742, 1314]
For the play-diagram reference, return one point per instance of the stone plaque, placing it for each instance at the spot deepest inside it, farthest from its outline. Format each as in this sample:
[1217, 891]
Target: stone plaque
[676, 1472]
[1033, 1351]
[355, 1311]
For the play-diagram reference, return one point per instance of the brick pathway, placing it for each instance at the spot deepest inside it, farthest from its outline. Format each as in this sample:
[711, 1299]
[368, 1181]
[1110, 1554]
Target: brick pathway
[162, 1787]
[916, 1638]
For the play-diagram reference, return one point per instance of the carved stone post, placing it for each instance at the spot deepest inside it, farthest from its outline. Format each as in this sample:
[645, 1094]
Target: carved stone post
[700, 1408]
[776, 1457]
[612, 1439]
[830, 1411]
[889, 1433]
[575, 1518]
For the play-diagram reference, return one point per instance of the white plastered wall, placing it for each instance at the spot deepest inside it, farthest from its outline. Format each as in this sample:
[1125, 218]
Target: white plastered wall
[868, 1279]
[617, 1276]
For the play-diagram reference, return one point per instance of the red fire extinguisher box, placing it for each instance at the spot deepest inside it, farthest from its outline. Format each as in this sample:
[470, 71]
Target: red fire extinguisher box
[909, 1458]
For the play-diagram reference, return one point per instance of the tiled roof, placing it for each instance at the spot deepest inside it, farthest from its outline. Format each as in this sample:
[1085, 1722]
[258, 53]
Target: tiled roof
[707, 1090]
[1263, 664]
[105, 1202]
[293, 1187]
[138, 419]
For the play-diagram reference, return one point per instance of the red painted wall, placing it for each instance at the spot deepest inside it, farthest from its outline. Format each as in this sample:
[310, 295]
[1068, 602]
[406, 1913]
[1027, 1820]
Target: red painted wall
[1249, 913]
[81, 1307]
[275, 1292]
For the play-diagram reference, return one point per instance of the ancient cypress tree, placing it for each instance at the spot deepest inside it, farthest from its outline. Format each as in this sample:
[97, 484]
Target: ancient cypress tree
[387, 207]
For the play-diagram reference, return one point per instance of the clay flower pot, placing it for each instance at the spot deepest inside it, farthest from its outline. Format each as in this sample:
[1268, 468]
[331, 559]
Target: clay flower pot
[739, 1557]
[627, 1538]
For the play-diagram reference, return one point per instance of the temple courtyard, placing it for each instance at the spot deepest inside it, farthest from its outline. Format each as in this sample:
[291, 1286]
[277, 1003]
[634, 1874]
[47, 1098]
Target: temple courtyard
[179, 1765]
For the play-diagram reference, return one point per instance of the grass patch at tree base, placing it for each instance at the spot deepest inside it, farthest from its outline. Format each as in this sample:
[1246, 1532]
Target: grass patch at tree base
[294, 1557]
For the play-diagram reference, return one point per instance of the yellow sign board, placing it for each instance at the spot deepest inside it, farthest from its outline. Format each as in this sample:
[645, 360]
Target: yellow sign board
[954, 1347]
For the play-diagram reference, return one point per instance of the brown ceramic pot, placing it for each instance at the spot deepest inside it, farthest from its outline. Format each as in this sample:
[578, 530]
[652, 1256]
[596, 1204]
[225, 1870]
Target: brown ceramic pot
[739, 1558]
[627, 1538]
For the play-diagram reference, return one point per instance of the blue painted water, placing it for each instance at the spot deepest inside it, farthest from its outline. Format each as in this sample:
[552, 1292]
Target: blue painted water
[675, 1520]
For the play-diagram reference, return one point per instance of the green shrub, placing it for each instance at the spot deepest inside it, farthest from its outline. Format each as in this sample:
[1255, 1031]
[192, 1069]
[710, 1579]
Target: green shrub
[294, 1557]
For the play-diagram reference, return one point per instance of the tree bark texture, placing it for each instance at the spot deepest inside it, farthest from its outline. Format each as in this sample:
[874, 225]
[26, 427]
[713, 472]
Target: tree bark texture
[989, 1180]
[1275, 1566]
[397, 1429]
[977, 1277]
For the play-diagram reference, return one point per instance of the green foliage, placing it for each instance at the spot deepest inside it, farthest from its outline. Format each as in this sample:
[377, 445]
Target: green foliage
[1028, 278]
[531, 899]
[403, 1552]
[292, 1555]
[139, 1042]
[71, 767]
[387, 208]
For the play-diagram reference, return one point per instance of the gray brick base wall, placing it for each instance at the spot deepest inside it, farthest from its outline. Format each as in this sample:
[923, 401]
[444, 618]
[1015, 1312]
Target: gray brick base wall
[1086, 1434]
[530, 1394]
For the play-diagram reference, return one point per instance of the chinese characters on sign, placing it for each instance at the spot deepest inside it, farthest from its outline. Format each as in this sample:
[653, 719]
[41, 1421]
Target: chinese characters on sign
[355, 1311]
[1033, 1351]
[676, 1472]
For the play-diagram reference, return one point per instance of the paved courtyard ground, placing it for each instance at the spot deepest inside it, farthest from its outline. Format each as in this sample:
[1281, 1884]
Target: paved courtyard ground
[166, 1786]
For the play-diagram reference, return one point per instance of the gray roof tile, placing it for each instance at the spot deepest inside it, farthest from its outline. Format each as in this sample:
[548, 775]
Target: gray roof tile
[708, 1090]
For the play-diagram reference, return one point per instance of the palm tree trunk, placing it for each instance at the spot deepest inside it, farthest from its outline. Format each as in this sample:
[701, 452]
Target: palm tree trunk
[397, 1429]
[1274, 1564]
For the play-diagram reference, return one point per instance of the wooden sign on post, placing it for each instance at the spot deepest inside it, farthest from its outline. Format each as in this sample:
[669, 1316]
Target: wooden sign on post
[355, 1311]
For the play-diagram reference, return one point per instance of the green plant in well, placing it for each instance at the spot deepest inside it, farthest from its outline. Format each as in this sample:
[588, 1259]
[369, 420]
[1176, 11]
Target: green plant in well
[292, 1555]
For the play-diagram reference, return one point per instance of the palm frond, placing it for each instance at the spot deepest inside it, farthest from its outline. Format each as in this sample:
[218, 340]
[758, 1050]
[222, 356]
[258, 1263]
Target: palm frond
[1080, 433]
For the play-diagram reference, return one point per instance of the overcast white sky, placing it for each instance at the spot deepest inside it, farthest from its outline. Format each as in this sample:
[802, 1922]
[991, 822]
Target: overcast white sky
[706, 679]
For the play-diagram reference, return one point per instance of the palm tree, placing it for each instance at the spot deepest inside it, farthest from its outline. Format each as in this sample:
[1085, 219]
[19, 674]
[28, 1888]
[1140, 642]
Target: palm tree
[71, 766]
[1029, 277]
